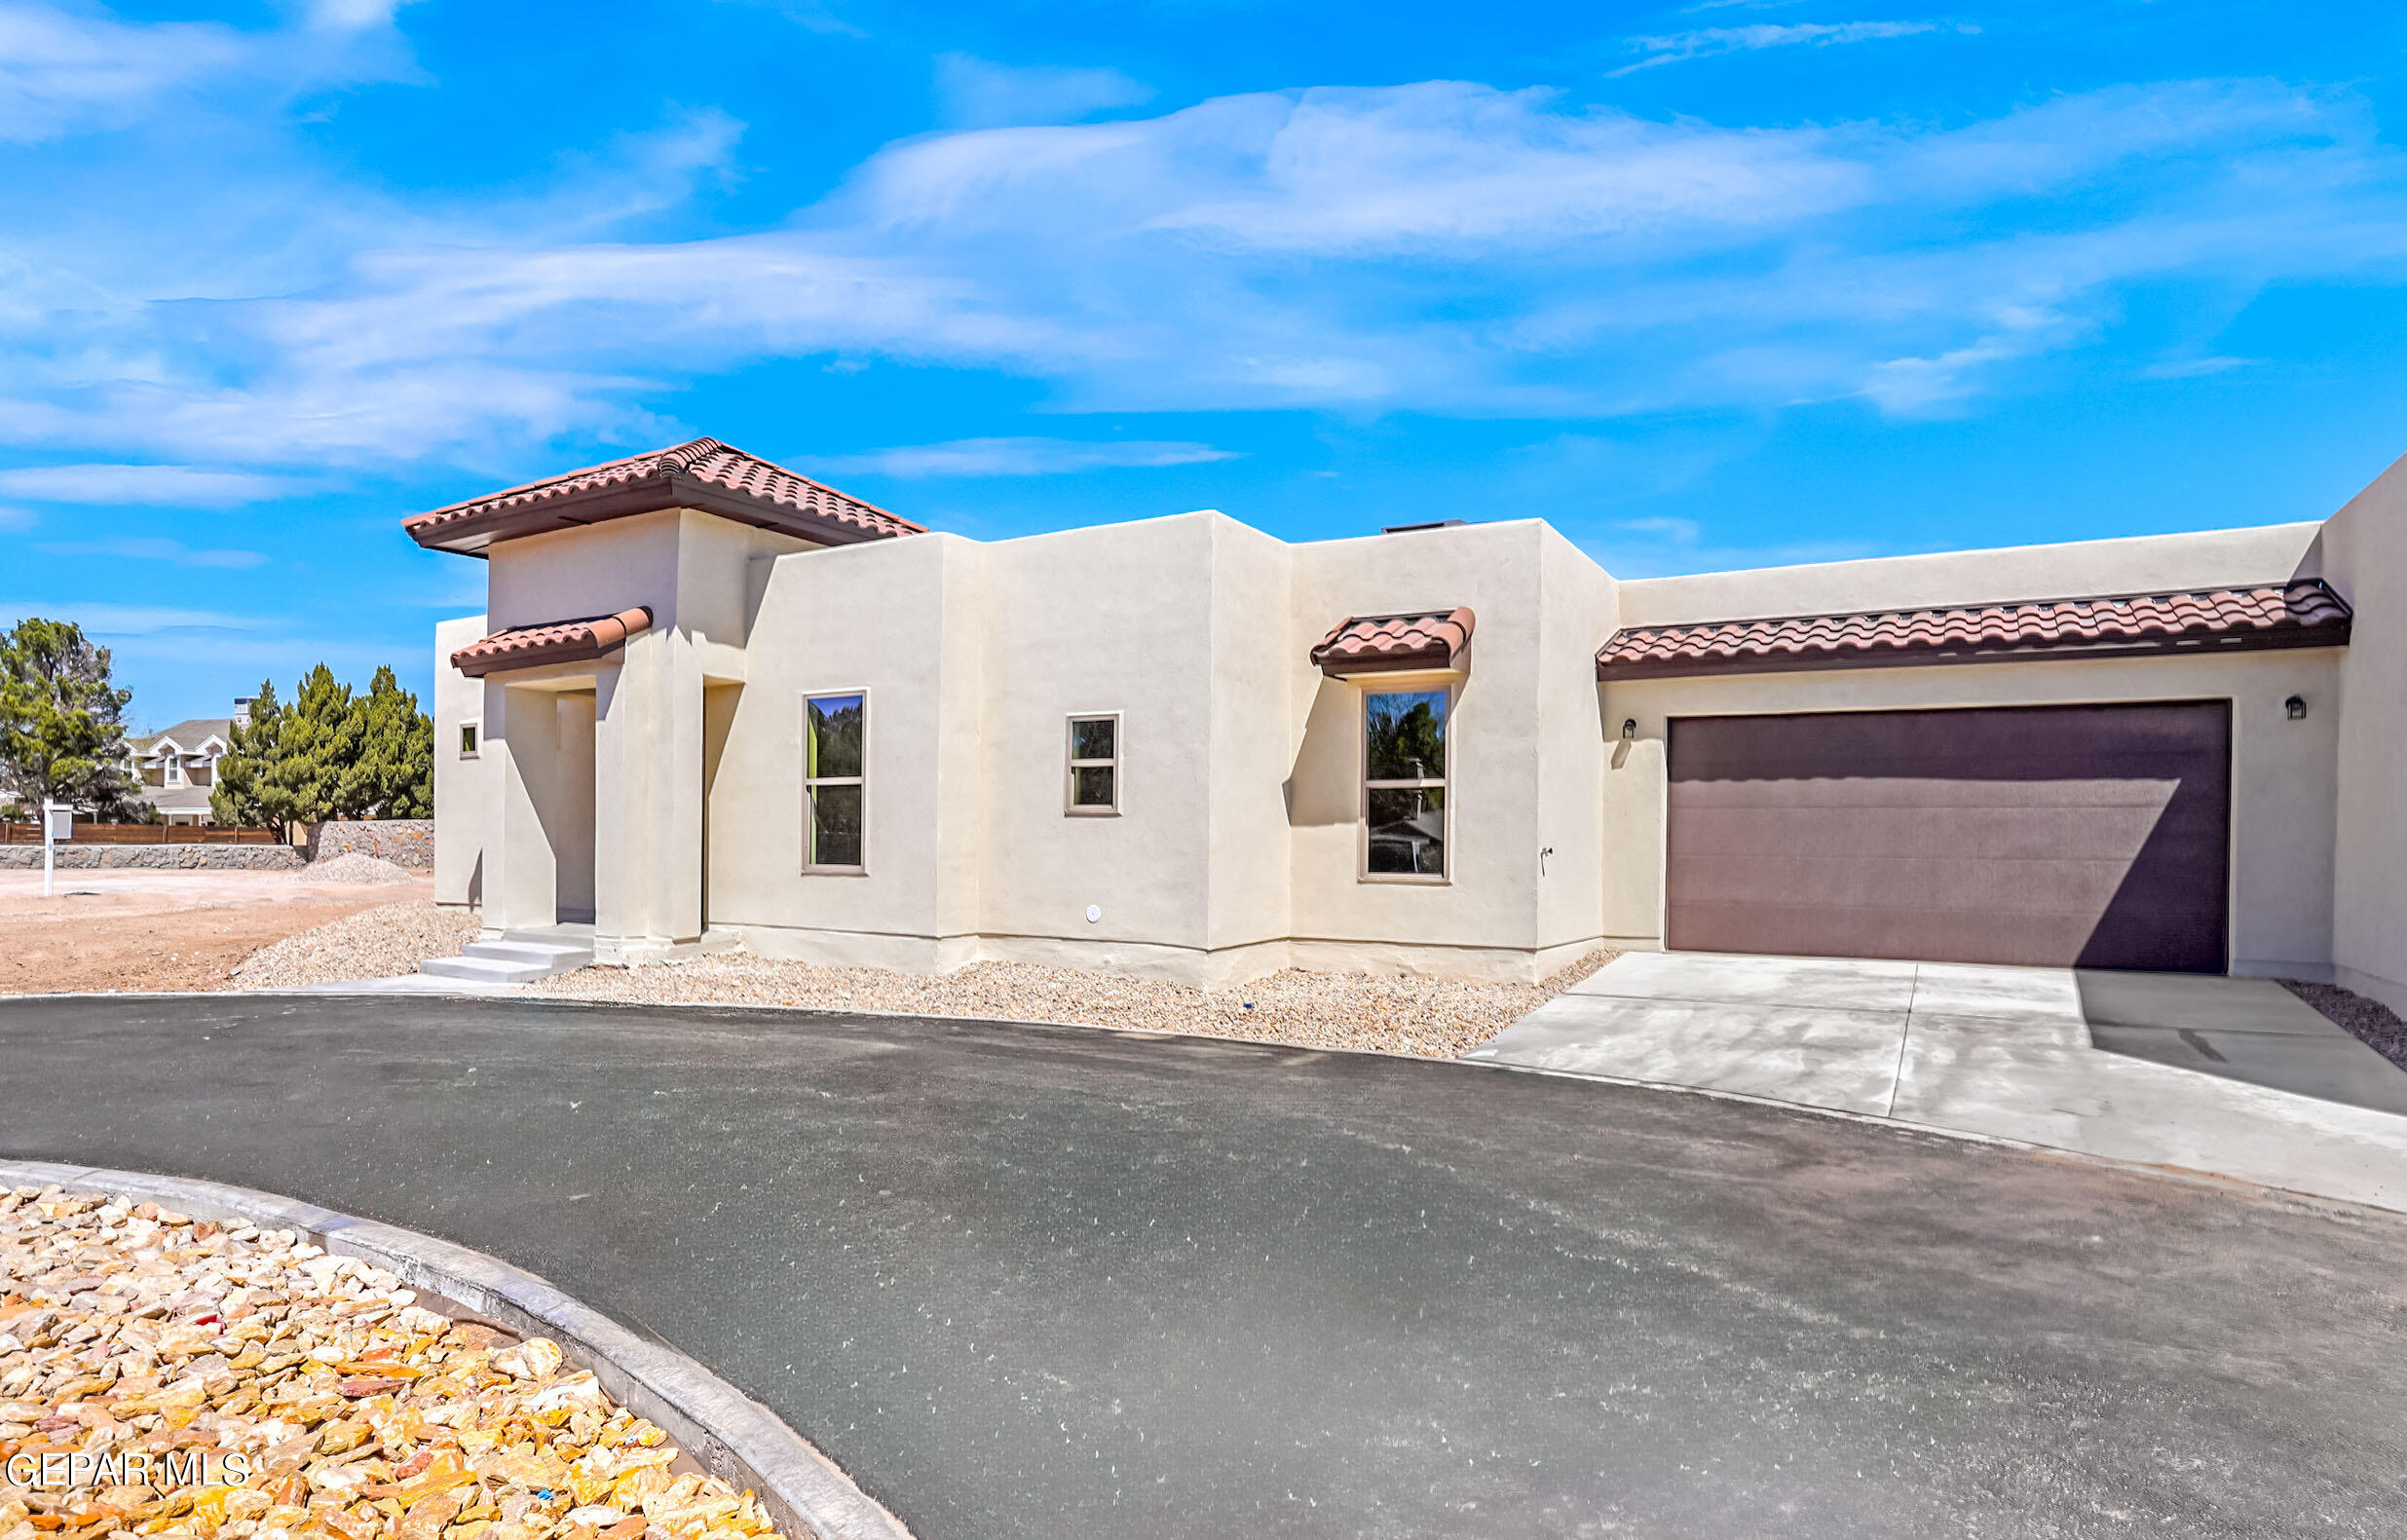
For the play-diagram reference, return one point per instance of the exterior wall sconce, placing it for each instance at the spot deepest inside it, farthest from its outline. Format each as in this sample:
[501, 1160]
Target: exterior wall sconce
[2295, 708]
[1629, 726]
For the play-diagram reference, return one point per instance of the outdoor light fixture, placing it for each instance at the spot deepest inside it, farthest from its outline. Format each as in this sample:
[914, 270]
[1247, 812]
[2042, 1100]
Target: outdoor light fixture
[1629, 728]
[2296, 708]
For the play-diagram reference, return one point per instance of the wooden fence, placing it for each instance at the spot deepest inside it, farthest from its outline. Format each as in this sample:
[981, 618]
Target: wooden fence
[142, 834]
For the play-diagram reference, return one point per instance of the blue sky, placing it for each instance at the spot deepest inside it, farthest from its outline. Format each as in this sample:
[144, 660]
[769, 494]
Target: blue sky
[1705, 284]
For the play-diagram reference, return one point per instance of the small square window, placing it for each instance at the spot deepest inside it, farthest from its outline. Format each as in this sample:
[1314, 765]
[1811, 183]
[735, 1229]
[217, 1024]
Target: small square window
[467, 740]
[1093, 787]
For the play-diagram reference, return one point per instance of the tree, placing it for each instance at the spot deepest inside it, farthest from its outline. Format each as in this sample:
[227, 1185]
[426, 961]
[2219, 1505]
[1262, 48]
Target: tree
[63, 732]
[329, 754]
[242, 795]
[393, 776]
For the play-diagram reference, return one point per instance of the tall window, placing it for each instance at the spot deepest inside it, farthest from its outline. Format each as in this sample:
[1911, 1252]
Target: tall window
[834, 735]
[1404, 782]
[1094, 786]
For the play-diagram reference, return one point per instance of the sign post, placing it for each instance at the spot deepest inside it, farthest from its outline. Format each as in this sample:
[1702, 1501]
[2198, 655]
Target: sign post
[57, 823]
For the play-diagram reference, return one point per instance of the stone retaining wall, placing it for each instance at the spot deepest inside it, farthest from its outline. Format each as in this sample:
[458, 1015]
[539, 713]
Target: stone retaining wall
[158, 858]
[404, 841]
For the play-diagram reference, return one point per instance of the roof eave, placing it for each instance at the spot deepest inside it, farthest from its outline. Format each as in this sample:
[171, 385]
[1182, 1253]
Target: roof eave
[2332, 634]
[657, 493]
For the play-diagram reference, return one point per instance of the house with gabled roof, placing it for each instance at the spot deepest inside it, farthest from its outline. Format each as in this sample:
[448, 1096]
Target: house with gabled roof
[714, 703]
[174, 770]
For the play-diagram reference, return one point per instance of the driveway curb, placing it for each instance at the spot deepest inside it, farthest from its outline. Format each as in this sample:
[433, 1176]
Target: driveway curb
[732, 1435]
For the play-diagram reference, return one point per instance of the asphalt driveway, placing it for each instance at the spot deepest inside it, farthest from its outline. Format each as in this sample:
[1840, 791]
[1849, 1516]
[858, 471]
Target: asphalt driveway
[1054, 1282]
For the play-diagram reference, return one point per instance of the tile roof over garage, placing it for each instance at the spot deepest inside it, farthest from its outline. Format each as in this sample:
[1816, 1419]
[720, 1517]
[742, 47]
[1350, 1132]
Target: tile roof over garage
[1377, 643]
[556, 642]
[2301, 612]
[705, 475]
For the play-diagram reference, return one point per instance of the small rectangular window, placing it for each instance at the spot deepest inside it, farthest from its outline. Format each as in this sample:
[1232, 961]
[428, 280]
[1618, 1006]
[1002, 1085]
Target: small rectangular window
[175, 774]
[1404, 815]
[467, 740]
[1094, 785]
[835, 782]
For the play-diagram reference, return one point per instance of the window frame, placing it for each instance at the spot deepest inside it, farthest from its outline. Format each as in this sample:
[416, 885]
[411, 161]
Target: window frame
[1402, 685]
[471, 739]
[1071, 808]
[802, 750]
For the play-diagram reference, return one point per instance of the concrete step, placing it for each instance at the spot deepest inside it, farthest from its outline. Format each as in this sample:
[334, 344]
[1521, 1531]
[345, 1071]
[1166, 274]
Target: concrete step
[519, 956]
[550, 953]
[485, 970]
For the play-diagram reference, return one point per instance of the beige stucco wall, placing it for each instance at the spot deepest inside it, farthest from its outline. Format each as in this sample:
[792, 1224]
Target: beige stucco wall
[2365, 554]
[1523, 741]
[463, 788]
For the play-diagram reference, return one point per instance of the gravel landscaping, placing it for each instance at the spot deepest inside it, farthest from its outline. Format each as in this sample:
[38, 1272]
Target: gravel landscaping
[2370, 1022]
[384, 942]
[1433, 1018]
[353, 867]
[162, 1377]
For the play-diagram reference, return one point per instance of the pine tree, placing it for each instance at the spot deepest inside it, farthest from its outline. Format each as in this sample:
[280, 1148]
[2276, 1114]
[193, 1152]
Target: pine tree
[241, 796]
[317, 744]
[63, 732]
[393, 776]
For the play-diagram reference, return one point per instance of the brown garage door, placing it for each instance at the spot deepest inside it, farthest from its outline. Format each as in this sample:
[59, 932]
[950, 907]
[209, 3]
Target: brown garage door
[2090, 836]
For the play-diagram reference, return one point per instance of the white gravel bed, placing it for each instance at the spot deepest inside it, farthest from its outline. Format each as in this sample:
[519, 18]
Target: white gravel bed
[384, 942]
[1433, 1017]
[352, 867]
[194, 1381]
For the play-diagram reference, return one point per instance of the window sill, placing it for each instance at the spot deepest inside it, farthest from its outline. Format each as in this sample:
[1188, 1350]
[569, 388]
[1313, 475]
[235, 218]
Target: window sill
[1405, 878]
[1090, 813]
[835, 870]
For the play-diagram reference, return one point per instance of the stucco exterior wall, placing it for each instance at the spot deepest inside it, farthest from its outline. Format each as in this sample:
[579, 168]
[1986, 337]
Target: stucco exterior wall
[463, 788]
[1486, 914]
[2365, 554]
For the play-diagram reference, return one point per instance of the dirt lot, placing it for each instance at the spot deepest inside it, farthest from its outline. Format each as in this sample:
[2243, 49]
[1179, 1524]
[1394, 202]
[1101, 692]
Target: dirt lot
[161, 929]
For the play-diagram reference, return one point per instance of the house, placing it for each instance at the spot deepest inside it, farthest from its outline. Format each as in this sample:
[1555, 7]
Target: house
[715, 703]
[175, 769]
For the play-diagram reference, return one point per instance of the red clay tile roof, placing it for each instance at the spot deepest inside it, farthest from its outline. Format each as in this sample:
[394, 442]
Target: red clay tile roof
[706, 475]
[1377, 644]
[560, 642]
[2301, 613]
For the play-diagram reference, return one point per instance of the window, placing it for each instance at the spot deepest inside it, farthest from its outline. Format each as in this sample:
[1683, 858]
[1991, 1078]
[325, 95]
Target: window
[175, 774]
[1094, 780]
[835, 731]
[467, 740]
[1403, 783]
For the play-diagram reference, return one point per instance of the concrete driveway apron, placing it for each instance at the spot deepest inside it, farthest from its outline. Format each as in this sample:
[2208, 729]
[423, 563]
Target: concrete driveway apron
[2233, 1076]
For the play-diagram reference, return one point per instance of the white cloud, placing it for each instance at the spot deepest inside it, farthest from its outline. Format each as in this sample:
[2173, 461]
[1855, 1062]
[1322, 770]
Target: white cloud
[174, 486]
[131, 549]
[1708, 42]
[2193, 368]
[1020, 457]
[128, 620]
[1440, 246]
[62, 71]
[975, 93]
[14, 518]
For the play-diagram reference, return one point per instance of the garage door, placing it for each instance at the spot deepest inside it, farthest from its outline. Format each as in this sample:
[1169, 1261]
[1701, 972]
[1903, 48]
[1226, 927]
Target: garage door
[2088, 835]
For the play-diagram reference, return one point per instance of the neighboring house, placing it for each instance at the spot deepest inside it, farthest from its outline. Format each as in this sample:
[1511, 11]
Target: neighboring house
[714, 702]
[177, 767]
